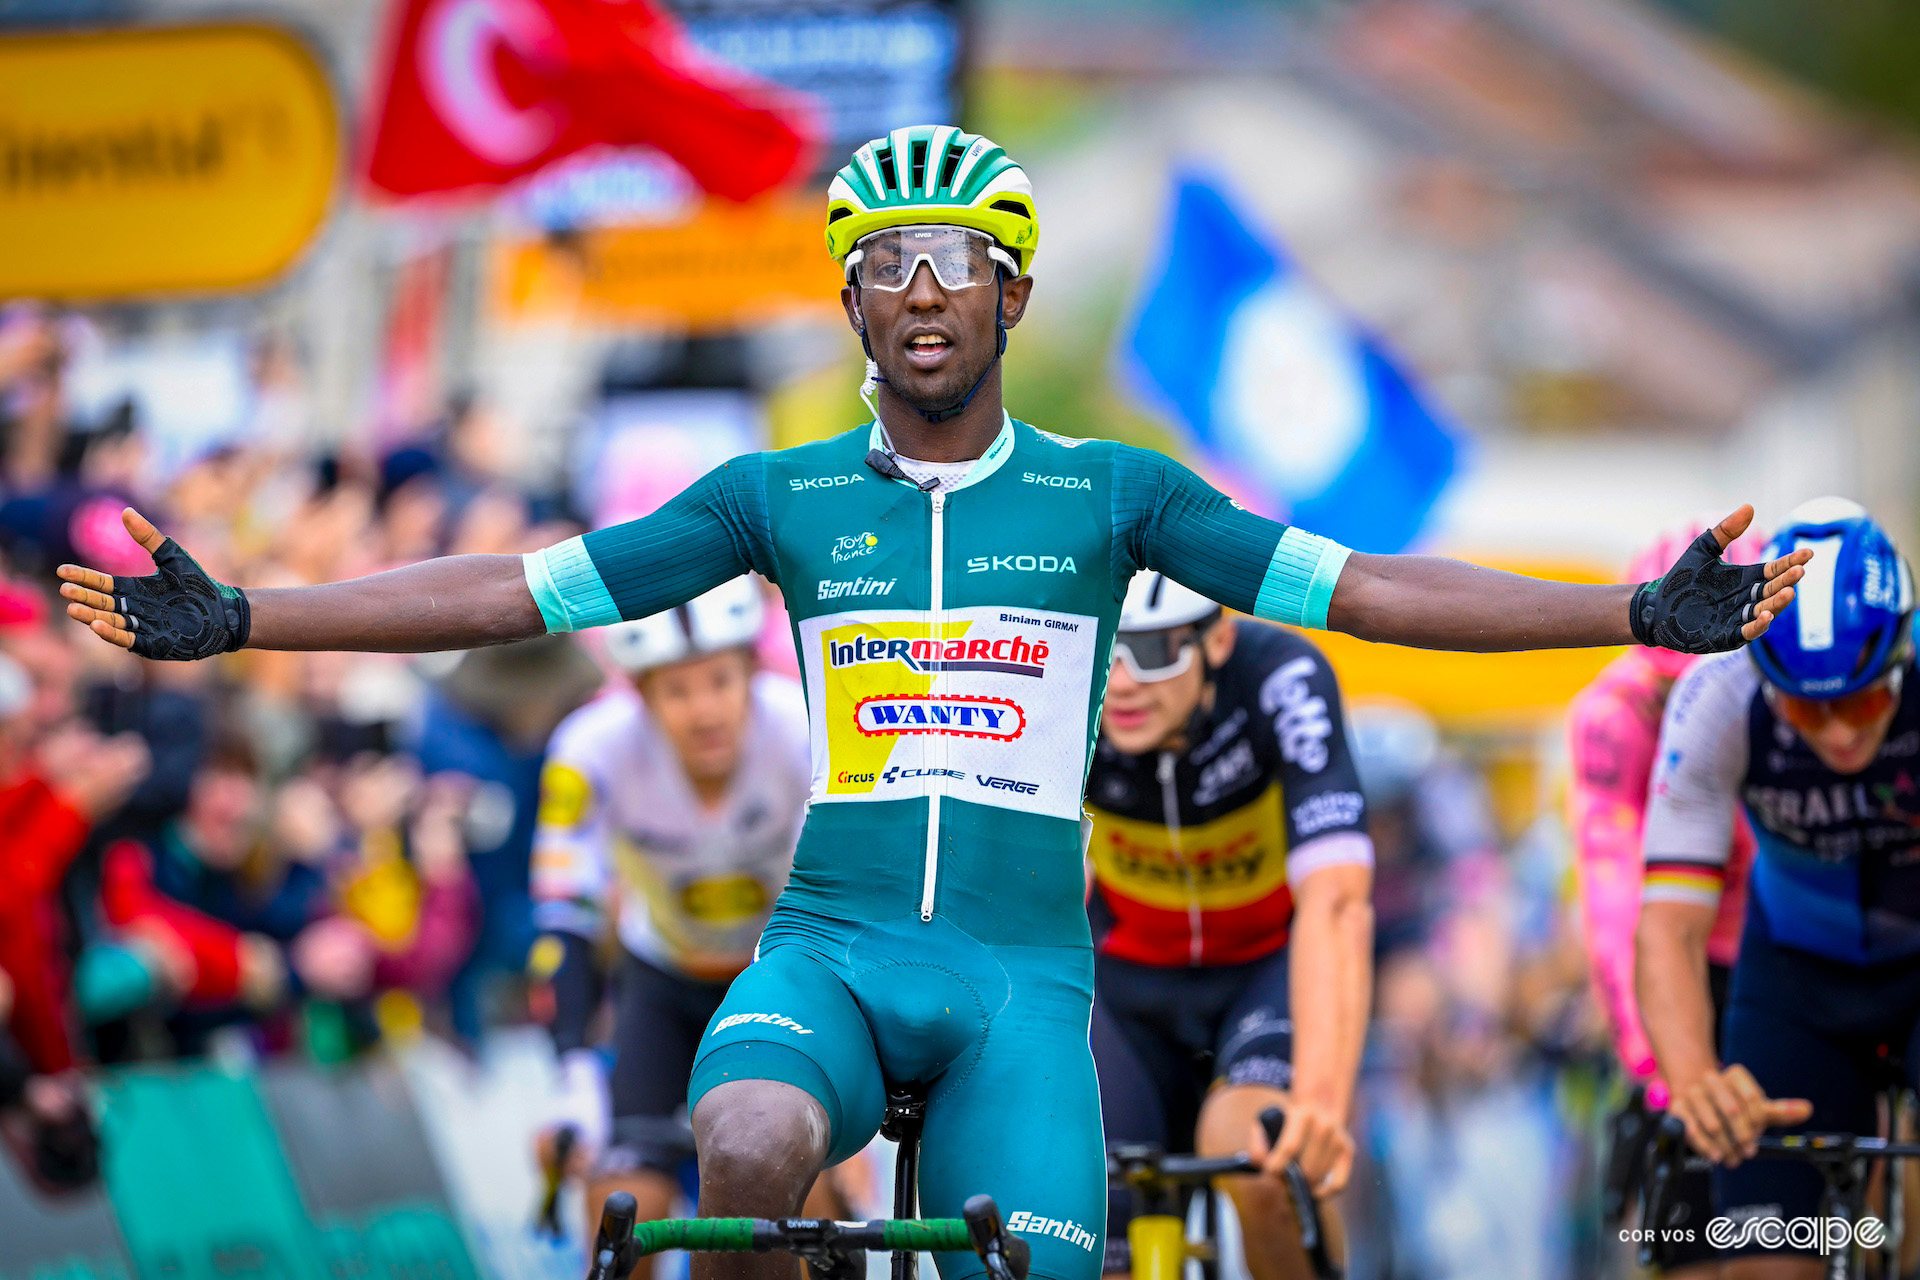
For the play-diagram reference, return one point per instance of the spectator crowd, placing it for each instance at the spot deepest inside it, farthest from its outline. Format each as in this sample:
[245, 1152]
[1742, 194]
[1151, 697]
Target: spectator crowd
[273, 850]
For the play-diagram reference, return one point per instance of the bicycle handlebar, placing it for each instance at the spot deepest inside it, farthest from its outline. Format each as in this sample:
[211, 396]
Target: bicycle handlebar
[620, 1242]
[1670, 1145]
[613, 1252]
[1006, 1255]
[750, 1235]
[1145, 1168]
[1671, 1156]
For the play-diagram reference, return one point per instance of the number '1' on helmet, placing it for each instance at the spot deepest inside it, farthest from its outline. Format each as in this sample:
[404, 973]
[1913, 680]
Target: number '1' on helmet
[1851, 618]
[932, 174]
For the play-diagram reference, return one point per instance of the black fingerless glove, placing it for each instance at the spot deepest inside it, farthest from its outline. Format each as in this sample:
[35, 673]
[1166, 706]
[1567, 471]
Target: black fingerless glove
[180, 613]
[1700, 604]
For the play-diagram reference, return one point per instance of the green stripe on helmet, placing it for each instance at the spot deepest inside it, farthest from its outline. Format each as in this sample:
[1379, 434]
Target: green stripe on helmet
[857, 185]
[990, 166]
[967, 197]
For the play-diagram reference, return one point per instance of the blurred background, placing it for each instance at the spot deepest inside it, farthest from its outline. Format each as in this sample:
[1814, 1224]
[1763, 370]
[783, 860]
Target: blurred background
[329, 286]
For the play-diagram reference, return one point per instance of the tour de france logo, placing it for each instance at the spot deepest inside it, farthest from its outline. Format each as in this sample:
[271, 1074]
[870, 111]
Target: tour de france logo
[852, 548]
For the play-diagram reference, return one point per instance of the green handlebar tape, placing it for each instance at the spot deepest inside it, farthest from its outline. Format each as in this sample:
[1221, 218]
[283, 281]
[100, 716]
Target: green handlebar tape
[928, 1235]
[728, 1235]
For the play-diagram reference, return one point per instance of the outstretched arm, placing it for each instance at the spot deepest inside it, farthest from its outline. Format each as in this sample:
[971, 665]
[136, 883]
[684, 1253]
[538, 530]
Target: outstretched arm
[456, 602]
[1429, 602]
[1193, 533]
[711, 531]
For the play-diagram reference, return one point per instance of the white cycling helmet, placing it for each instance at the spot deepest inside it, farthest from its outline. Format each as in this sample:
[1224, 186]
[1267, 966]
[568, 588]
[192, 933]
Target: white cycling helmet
[1155, 602]
[1149, 642]
[727, 617]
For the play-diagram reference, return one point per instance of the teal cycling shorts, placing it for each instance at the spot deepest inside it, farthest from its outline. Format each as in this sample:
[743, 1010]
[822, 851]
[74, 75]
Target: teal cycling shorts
[997, 1033]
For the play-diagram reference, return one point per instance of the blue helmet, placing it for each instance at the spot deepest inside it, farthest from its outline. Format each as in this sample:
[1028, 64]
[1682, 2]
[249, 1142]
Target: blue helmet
[1851, 619]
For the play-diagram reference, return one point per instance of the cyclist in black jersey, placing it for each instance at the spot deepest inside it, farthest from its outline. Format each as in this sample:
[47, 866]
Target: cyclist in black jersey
[1227, 815]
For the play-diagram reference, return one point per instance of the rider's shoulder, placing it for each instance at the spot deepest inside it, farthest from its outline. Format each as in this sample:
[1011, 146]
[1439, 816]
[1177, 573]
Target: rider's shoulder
[781, 698]
[780, 721]
[851, 443]
[1626, 686]
[1262, 650]
[1719, 687]
[1039, 438]
[593, 730]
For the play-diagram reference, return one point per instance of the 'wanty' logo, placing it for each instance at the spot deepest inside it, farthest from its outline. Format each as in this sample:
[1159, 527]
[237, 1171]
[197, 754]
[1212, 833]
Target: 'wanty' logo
[959, 716]
[1010, 656]
[852, 548]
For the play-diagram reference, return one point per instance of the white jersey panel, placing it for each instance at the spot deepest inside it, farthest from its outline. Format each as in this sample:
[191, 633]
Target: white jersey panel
[1695, 790]
[620, 824]
[992, 710]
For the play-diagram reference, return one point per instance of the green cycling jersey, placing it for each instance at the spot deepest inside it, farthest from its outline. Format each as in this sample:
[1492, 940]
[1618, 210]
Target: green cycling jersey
[954, 645]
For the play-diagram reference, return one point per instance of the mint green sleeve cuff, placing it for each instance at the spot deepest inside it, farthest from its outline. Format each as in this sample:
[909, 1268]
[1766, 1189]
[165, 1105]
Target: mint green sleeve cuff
[1300, 580]
[567, 587]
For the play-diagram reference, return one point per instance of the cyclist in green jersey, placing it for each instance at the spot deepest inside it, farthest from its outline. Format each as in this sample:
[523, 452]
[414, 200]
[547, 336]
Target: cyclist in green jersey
[954, 578]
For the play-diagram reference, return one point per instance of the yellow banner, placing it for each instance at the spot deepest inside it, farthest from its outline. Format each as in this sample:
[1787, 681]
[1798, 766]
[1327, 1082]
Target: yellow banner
[154, 161]
[723, 265]
[1468, 690]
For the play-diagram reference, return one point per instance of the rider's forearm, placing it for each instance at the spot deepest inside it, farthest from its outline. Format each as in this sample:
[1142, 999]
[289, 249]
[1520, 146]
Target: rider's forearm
[1676, 1006]
[1429, 602]
[455, 602]
[1329, 986]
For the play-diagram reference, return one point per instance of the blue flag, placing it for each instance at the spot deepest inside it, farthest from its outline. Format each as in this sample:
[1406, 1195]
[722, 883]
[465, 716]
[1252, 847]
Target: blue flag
[1284, 392]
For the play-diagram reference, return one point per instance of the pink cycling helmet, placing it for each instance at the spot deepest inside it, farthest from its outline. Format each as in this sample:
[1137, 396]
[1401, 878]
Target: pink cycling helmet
[1658, 556]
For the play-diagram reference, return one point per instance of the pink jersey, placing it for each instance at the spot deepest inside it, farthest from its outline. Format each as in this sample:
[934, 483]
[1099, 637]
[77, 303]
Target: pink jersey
[1614, 725]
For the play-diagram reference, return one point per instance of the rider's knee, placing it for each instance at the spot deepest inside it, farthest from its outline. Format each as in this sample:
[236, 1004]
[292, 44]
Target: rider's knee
[1228, 1117]
[760, 1133]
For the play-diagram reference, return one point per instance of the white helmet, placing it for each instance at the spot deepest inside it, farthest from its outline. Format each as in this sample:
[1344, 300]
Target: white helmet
[727, 617]
[1155, 602]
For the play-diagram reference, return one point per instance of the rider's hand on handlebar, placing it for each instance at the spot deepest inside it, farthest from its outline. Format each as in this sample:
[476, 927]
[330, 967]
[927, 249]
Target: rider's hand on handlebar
[1313, 1135]
[1725, 1111]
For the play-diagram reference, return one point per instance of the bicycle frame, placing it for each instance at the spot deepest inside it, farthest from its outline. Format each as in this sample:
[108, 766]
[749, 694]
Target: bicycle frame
[1159, 1245]
[1157, 1234]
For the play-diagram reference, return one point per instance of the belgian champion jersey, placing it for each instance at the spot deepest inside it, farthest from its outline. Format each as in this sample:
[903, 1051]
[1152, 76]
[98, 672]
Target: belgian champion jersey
[1195, 852]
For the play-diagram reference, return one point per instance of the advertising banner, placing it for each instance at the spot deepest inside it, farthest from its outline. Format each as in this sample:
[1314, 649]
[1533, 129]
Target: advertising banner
[179, 159]
[721, 266]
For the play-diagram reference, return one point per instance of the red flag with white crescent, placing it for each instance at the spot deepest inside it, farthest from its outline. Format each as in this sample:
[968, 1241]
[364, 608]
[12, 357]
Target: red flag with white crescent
[476, 93]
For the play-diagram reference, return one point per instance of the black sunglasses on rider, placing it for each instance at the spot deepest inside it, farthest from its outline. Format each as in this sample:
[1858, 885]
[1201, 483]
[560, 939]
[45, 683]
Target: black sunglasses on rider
[1152, 656]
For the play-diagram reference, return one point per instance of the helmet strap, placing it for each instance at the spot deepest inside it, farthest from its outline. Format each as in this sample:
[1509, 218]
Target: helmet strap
[1203, 706]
